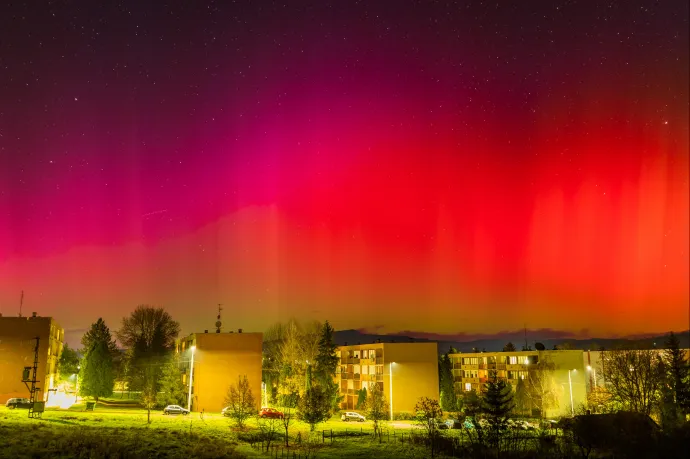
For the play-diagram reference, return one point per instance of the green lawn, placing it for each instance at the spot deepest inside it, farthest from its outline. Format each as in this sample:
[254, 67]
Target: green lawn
[121, 432]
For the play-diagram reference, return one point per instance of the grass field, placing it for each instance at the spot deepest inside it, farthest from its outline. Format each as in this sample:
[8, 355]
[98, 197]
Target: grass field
[121, 432]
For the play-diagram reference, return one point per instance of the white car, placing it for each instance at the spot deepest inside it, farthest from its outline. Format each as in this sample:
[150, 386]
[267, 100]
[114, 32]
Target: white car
[175, 409]
[352, 416]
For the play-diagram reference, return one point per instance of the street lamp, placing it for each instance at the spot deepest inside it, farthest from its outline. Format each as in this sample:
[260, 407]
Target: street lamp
[390, 377]
[191, 379]
[570, 384]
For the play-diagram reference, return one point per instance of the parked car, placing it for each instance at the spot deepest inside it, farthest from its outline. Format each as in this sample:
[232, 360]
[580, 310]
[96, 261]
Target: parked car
[175, 409]
[441, 425]
[270, 413]
[352, 416]
[18, 403]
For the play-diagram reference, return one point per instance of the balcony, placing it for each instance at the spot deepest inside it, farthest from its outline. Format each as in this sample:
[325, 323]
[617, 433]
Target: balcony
[457, 366]
[379, 377]
[500, 366]
[357, 377]
[346, 375]
[379, 360]
[482, 366]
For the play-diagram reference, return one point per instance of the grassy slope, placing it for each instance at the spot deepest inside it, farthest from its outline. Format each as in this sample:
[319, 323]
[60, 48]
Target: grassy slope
[115, 432]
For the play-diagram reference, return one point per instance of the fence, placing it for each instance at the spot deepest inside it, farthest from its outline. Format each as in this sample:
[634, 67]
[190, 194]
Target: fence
[451, 443]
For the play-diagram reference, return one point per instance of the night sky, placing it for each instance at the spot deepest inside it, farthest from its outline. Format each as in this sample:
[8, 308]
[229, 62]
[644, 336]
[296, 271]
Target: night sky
[441, 167]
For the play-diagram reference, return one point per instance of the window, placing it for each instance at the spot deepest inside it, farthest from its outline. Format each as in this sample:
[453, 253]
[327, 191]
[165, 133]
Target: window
[468, 387]
[522, 374]
[513, 360]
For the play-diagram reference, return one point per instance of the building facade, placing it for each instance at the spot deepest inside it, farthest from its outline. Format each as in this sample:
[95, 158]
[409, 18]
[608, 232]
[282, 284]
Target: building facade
[219, 360]
[17, 344]
[405, 372]
[561, 375]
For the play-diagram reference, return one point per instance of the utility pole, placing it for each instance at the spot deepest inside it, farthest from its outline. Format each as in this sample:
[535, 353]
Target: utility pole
[31, 372]
[21, 303]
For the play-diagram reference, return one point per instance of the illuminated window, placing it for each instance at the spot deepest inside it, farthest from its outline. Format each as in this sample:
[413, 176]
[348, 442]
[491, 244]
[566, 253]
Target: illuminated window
[513, 360]
[468, 387]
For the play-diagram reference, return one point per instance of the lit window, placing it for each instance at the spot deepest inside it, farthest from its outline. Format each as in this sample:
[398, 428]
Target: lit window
[468, 387]
[513, 360]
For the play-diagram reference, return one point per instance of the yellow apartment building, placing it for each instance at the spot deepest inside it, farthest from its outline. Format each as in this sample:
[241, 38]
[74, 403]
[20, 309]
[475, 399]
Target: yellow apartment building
[405, 372]
[219, 360]
[567, 377]
[17, 343]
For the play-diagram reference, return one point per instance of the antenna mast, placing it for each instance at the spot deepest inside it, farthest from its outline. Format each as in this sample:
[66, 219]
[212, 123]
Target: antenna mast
[21, 303]
[219, 324]
[525, 327]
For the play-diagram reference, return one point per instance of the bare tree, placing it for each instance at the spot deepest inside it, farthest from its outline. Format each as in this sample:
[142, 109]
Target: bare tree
[429, 414]
[240, 401]
[376, 407]
[633, 378]
[289, 402]
[541, 388]
[269, 429]
[153, 327]
[299, 346]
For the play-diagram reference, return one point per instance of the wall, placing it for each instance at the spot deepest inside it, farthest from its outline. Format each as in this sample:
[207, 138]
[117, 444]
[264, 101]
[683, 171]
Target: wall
[415, 373]
[17, 351]
[219, 361]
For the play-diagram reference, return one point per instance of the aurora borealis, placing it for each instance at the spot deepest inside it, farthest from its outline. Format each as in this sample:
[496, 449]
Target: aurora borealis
[440, 167]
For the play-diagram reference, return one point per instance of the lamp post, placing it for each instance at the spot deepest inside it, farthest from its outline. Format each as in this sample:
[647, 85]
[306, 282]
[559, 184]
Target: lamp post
[570, 384]
[390, 377]
[191, 380]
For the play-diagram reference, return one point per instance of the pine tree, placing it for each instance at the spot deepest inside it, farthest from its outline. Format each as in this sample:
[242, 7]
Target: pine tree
[171, 389]
[96, 376]
[510, 347]
[326, 365]
[447, 384]
[314, 407]
[522, 404]
[98, 332]
[496, 406]
[68, 365]
[676, 367]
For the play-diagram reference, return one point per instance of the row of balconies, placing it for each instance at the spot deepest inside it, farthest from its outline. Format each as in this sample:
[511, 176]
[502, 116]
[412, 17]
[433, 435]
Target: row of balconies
[356, 360]
[361, 377]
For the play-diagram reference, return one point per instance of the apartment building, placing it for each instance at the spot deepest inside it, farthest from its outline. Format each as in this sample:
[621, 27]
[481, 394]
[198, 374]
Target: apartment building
[217, 360]
[562, 372]
[17, 344]
[405, 372]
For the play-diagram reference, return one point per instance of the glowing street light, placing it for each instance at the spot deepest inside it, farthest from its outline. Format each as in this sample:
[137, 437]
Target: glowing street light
[570, 384]
[191, 379]
[390, 377]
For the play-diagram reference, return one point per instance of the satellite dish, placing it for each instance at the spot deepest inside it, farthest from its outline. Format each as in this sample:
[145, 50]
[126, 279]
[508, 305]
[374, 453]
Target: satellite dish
[218, 323]
[539, 346]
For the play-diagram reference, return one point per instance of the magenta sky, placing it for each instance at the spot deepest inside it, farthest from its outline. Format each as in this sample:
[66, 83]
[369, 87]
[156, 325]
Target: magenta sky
[409, 168]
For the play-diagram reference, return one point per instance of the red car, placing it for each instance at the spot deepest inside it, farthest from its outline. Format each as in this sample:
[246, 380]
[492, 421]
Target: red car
[270, 413]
